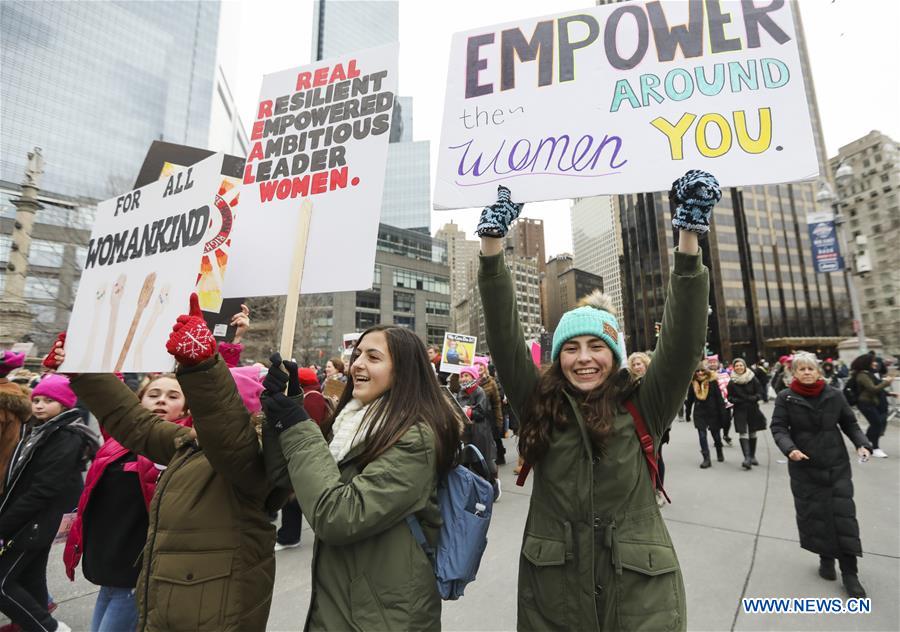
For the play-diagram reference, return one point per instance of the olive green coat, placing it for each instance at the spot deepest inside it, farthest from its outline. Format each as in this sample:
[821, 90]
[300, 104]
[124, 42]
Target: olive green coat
[208, 563]
[368, 571]
[596, 553]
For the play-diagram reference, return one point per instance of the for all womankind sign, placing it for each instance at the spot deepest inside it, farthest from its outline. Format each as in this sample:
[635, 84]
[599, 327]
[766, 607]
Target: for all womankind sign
[625, 98]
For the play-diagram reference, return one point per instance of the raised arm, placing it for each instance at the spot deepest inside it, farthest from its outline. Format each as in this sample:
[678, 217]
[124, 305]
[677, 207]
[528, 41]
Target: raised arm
[223, 427]
[683, 330]
[120, 413]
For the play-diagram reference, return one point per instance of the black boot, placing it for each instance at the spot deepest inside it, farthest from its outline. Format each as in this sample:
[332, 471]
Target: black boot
[706, 462]
[753, 460]
[745, 448]
[826, 568]
[852, 586]
[719, 456]
[727, 440]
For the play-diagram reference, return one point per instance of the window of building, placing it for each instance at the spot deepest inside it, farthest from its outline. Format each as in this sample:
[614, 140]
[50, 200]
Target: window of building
[404, 302]
[405, 321]
[368, 300]
[5, 243]
[435, 335]
[41, 287]
[45, 253]
[43, 313]
[437, 308]
[376, 277]
[421, 281]
[364, 320]
[866, 162]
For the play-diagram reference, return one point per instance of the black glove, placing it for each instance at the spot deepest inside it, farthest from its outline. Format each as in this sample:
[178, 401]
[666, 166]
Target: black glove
[293, 379]
[282, 412]
[695, 194]
[496, 218]
[276, 379]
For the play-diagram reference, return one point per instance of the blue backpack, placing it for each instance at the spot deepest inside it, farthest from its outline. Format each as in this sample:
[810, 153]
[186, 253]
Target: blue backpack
[466, 501]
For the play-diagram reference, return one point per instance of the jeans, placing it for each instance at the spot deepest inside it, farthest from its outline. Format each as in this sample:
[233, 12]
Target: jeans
[877, 422]
[115, 610]
[704, 444]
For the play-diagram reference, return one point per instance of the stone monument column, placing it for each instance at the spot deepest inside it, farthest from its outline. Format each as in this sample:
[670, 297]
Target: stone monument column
[15, 316]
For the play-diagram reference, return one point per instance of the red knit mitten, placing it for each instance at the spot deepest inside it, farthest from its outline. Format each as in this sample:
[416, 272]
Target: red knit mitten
[50, 359]
[191, 342]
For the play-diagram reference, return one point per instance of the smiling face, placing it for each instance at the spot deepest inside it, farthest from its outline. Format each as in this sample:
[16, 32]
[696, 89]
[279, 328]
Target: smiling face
[713, 364]
[372, 371]
[44, 408]
[586, 362]
[164, 397]
[329, 369]
[739, 367]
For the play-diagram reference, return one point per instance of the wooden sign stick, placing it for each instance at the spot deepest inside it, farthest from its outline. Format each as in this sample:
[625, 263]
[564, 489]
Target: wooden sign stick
[296, 277]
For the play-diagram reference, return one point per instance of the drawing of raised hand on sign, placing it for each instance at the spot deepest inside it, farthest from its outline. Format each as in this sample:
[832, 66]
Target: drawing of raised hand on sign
[159, 304]
[99, 297]
[143, 301]
[115, 299]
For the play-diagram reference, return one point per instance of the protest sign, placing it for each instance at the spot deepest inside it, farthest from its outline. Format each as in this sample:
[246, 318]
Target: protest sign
[624, 98]
[140, 269]
[319, 143]
[826, 251]
[457, 353]
[164, 160]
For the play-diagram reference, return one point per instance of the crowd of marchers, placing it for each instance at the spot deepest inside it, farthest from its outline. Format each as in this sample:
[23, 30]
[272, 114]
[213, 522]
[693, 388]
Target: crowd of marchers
[170, 508]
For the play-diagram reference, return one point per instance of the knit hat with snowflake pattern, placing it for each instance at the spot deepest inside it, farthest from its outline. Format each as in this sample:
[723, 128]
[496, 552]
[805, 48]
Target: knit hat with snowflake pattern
[593, 317]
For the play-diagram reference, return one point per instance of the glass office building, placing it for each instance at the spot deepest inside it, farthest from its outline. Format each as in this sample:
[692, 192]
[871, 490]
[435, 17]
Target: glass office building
[340, 27]
[94, 83]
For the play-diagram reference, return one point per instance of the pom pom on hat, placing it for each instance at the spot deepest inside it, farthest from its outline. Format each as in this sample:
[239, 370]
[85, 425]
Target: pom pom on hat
[56, 387]
[593, 317]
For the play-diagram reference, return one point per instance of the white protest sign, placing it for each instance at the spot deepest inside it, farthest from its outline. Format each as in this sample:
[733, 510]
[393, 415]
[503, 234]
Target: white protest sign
[321, 136]
[624, 98]
[458, 352]
[141, 267]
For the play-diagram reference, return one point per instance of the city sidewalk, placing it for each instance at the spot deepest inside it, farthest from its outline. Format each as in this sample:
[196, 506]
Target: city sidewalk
[734, 532]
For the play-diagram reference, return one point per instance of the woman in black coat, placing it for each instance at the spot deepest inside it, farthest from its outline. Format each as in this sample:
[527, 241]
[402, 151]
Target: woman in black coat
[745, 392]
[705, 402]
[805, 426]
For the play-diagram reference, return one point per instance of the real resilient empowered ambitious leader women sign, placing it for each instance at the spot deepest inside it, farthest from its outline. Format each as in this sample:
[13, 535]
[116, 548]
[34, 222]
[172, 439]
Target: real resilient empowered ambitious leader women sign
[625, 98]
[319, 141]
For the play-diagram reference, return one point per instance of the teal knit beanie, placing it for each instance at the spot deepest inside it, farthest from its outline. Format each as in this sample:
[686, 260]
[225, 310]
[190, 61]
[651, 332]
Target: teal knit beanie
[593, 318]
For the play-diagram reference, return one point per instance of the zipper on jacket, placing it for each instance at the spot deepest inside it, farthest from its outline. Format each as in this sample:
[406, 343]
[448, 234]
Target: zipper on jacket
[160, 491]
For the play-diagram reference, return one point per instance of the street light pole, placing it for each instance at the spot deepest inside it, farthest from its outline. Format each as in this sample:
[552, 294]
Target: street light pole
[825, 195]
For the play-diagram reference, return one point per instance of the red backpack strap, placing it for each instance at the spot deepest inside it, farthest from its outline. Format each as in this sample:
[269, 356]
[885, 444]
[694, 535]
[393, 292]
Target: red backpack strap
[646, 446]
[523, 473]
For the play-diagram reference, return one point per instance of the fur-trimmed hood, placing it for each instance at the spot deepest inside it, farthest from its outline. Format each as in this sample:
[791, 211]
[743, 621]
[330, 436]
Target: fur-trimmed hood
[14, 400]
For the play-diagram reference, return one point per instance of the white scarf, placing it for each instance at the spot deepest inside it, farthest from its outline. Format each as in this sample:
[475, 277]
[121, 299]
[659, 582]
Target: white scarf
[348, 429]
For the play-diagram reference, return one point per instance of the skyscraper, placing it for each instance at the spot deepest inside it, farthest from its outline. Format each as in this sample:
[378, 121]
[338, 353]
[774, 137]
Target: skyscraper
[526, 239]
[460, 253]
[869, 203]
[597, 243]
[94, 83]
[765, 295]
[341, 27]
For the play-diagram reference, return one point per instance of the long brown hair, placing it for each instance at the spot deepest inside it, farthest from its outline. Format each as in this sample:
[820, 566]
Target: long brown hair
[547, 409]
[415, 397]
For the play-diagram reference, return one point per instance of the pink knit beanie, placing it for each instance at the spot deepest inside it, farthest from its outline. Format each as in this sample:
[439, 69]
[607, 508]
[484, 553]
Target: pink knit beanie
[57, 388]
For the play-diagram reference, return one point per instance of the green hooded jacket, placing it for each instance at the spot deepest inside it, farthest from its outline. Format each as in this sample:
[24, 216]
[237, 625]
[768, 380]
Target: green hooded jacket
[596, 554]
[368, 571]
[209, 561]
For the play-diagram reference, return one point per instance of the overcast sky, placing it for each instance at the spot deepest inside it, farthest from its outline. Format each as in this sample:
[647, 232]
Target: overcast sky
[854, 47]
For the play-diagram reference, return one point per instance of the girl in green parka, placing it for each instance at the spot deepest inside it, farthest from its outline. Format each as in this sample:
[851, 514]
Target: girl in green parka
[595, 553]
[376, 461]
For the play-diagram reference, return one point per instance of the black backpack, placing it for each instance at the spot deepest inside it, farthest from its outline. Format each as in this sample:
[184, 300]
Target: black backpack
[851, 391]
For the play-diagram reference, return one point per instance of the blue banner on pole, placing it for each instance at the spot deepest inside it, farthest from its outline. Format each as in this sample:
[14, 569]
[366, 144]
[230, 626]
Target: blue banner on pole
[826, 250]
